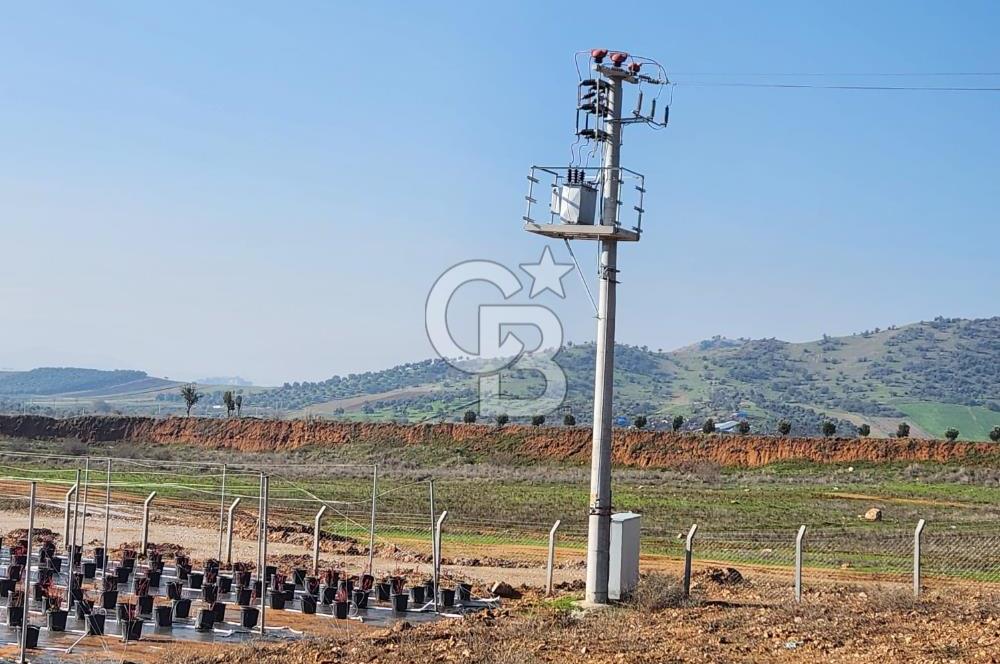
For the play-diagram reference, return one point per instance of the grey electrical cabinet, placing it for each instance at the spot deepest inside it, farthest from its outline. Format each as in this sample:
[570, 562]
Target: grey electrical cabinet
[624, 572]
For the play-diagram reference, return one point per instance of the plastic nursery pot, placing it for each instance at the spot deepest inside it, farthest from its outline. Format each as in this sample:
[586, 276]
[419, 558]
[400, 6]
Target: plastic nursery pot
[206, 620]
[15, 615]
[328, 595]
[399, 602]
[429, 590]
[299, 577]
[5, 586]
[146, 604]
[154, 577]
[312, 586]
[243, 596]
[210, 593]
[109, 599]
[183, 571]
[269, 571]
[382, 591]
[225, 584]
[277, 598]
[447, 597]
[132, 629]
[182, 608]
[85, 608]
[417, 595]
[346, 584]
[308, 604]
[55, 564]
[123, 611]
[341, 609]
[360, 598]
[38, 592]
[31, 638]
[174, 589]
[128, 563]
[164, 616]
[249, 616]
[220, 612]
[195, 579]
[99, 556]
[95, 624]
[123, 573]
[57, 620]
[289, 589]
[464, 592]
[89, 570]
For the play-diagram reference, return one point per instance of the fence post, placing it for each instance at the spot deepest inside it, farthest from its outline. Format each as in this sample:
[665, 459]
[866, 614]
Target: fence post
[25, 622]
[66, 534]
[916, 557]
[229, 532]
[145, 523]
[436, 557]
[371, 534]
[552, 558]
[316, 532]
[798, 563]
[688, 548]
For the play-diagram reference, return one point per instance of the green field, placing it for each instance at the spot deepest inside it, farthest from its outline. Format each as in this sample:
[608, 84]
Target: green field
[972, 422]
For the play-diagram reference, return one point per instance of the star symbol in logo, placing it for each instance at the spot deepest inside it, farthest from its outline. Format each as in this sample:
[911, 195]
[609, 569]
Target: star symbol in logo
[547, 274]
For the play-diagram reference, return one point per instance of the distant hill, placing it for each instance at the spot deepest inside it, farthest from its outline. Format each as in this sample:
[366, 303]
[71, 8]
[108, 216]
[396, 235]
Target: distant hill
[232, 381]
[51, 381]
[935, 375]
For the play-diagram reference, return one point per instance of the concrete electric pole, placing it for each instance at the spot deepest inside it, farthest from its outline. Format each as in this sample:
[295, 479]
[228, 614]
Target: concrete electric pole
[575, 215]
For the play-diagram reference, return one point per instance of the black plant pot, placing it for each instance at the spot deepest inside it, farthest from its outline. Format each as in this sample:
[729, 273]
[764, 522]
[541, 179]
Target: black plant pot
[174, 589]
[5, 586]
[243, 579]
[57, 620]
[183, 571]
[15, 616]
[132, 629]
[278, 599]
[123, 611]
[257, 585]
[38, 592]
[299, 577]
[249, 616]
[210, 593]
[243, 596]
[95, 624]
[85, 608]
[429, 590]
[308, 604]
[384, 591]
[31, 638]
[225, 584]
[464, 592]
[417, 594]
[447, 597]
[269, 571]
[399, 602]
[206, 620]
[146, 605]
[195, 579]
[156, 565]
[128, 563]
[220, 612]
[289, 588]
[99, 556]
[164, 616]
[154, 577]
[55, 564]
[109, 599]
[312, 586]
[123, 573]
[341, 609]
[182, 608]
[89, 570]
[328, 595]
[361, 598]
[346, 584]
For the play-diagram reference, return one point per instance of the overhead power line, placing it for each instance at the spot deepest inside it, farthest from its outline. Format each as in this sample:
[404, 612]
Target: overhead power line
[912, 88]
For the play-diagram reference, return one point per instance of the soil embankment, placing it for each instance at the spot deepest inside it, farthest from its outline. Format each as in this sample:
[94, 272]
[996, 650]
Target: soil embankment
[643, 449]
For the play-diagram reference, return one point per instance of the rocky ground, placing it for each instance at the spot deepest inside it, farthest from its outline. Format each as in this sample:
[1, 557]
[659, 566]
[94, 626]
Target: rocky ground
[740, 623]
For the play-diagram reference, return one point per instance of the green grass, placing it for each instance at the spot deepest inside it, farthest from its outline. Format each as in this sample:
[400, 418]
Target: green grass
[973, 422]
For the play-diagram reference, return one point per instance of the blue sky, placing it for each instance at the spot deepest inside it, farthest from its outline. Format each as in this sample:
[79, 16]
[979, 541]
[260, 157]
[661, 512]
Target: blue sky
[270, 189]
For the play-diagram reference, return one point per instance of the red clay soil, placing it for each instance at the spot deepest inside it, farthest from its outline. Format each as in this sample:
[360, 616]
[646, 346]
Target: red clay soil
[643, 449]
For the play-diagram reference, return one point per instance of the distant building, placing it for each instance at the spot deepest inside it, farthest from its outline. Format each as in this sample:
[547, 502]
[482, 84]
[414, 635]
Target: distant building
[727, 427]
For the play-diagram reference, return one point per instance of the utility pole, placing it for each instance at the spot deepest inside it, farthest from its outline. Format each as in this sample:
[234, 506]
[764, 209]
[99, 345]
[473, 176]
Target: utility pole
[575, 215]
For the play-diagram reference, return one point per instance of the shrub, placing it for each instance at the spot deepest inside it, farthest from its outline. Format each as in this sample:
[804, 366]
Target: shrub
[639, 421]
[678, 422]
[864, 430]
[656, 592]
[708, 426]
[784, 427]
[829, 428]
[995, 435]
[743, 427]
[903, 430]
[569, 420]
[469, 417]
[951, 434]
[502, 419]
[537, 420]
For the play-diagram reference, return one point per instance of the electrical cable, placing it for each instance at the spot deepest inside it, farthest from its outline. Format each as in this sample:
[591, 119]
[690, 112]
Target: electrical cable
[906, 88]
